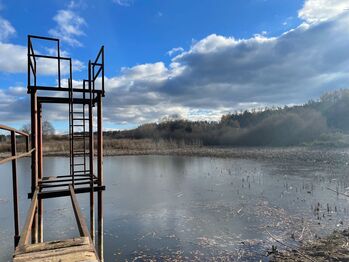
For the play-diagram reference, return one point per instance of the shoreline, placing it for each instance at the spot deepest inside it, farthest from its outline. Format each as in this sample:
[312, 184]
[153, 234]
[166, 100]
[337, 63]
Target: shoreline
[325, 156]
[337, 156]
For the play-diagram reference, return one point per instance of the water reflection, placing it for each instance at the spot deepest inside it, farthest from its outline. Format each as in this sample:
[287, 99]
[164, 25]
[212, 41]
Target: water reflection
[168, 207]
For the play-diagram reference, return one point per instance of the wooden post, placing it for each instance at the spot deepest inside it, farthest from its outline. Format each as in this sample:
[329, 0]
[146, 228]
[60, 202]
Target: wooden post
[15, 188]
[40, 174]
[34, 112]
[100, 176]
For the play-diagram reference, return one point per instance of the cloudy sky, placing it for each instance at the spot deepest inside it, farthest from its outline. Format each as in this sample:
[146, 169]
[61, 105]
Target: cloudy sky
[196, 59]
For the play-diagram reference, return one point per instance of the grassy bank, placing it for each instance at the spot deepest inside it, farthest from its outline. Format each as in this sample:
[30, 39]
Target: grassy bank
[117, 147]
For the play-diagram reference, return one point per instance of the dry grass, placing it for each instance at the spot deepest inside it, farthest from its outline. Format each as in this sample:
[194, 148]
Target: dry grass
[111, 146]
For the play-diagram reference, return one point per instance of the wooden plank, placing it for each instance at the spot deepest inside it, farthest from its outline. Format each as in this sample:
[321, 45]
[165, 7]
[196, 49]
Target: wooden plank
[17, 156]
[78, 215]
[68, 254]
[58, 251]
[29, 220]
[78, 241]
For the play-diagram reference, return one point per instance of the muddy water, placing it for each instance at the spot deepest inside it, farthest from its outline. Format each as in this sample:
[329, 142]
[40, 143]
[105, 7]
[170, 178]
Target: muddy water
[193, 208]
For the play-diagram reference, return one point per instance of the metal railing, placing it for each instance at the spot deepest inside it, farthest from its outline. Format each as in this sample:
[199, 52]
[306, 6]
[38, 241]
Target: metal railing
[32, 67]
[14, 156]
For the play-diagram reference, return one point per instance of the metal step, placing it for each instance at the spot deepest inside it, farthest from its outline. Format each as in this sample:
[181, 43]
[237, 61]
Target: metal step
[81, 171]
[80, 119]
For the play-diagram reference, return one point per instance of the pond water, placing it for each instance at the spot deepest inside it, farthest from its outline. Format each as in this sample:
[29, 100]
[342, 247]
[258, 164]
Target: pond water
[192, 208]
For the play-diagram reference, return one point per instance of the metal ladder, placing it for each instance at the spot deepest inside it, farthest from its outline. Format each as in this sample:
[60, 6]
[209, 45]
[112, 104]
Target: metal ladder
[79, 134]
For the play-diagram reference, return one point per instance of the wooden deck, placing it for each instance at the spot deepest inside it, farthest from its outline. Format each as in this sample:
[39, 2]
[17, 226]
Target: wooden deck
[70, 250]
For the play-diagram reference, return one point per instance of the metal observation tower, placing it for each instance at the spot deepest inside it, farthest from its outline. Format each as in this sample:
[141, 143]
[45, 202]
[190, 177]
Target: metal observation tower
[81, 176]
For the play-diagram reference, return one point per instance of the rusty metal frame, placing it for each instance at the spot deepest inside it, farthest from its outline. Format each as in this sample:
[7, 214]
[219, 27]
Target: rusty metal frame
[78, 181]
[13, 159]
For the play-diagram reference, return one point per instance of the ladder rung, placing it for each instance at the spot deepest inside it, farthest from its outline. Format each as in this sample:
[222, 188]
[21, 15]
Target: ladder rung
[80, 119]
[81, 171]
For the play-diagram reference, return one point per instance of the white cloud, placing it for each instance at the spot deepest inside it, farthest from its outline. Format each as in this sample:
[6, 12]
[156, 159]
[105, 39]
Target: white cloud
[69, 27]
[220, 74]
[123, 2]
[6, 30]
[175, 50]
[315, 11]
[13, 59]
[17, 90]
[77, 4]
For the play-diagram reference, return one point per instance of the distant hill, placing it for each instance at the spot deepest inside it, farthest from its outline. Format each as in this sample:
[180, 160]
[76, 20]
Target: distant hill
[321, 122]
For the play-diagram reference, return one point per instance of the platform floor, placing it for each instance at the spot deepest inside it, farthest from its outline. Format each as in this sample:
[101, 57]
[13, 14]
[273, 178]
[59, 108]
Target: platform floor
[76, 249]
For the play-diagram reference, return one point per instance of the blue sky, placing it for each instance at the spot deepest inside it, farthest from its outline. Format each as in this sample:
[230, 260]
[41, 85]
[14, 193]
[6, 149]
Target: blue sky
[194, 59]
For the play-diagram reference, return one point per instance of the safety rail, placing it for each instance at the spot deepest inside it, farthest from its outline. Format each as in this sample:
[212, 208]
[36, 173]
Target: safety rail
[32, 56]
[13, 158]
[96, 69]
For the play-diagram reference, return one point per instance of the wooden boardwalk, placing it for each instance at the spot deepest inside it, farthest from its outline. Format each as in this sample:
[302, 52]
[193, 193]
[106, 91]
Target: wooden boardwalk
[71, 250]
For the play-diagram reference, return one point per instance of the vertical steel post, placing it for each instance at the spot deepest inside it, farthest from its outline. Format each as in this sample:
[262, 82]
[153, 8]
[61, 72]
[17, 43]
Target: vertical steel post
[15, 188]
[59, 64]
[27, 143]
[28, 56]
[90, 112]
[34, 112]
[40, 173]
[100, 175]
[103, 92]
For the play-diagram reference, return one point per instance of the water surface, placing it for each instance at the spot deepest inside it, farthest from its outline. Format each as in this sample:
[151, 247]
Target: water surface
[192, 208]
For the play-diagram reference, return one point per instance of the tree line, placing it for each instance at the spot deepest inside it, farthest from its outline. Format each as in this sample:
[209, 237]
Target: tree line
[321, 119]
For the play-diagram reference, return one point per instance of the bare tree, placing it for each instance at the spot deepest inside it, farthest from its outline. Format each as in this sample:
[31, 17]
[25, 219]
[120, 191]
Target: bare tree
[26, 128]
[48, 129]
